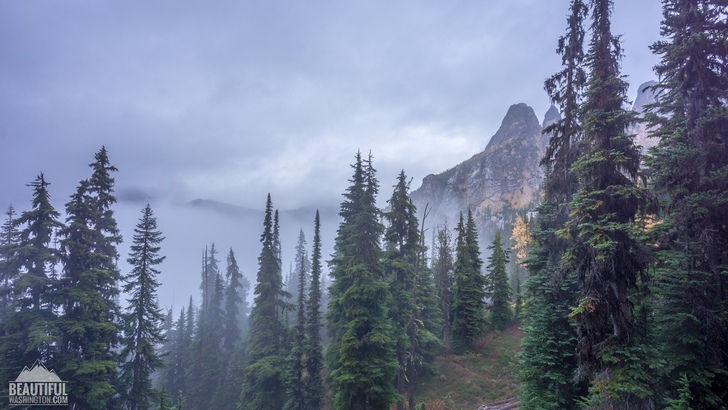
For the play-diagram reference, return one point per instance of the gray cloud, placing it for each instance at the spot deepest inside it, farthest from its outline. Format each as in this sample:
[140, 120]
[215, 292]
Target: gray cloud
[230, 100]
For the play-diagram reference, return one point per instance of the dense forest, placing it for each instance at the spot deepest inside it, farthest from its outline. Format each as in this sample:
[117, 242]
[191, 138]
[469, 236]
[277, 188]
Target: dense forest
[624, 305]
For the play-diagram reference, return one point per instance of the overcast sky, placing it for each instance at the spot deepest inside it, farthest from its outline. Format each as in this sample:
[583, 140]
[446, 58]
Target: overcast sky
[231, 100]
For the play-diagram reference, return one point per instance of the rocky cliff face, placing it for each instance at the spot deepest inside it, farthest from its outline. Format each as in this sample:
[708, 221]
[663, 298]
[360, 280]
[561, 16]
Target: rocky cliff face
[505, 175]
[505, 178]
[645, 96]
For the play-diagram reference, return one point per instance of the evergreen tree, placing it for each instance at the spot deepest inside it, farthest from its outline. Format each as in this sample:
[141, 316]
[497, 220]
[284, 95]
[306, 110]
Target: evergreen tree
[296, 369]
[689, 172]
[28, 322]
[88, 291]
[176, 360]
[203, 373]
[264, 378]
[301, 260]
[548, 361]
[232, 304]
[443, 273]
[142, 322]
[9, 269]
[313, 352]
[361, 358]
[469, 288]
[401, 244]
[608, 260]
[499, 289]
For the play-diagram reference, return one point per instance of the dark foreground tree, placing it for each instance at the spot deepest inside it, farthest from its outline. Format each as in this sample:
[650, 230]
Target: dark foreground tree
[609, 261]
[361, 358]
[689, 168]
[401, 252]
[143, 319]
[548, 360]
[88, 291]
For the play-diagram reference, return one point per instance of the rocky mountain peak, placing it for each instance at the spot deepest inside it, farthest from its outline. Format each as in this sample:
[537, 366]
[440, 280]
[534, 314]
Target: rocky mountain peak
[645, 96]
[519, 119]
[506, 175]
[552, 115]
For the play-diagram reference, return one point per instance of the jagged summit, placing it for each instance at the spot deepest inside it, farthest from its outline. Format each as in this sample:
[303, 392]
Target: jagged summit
[551, 116]
[505, 175]
[645, 96]
[519, 118]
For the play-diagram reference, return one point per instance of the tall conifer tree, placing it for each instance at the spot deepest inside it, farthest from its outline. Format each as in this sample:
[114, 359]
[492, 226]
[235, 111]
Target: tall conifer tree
[689, 168]
[548, 360]
[264, 378]
[314, 387]
[89, 290]
[609, 261]
[469, 288]
[499, 288]
[401, 251]
[143, 319]
[296, 368]
[362, 361]
[28, 322]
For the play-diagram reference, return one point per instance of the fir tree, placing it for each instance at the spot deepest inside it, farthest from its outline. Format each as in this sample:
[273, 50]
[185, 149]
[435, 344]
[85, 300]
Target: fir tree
[469, 288]
[88, 291]
[176, 359]
[142, 322]
[203, 373]
[401, 244]
[361, 358]
[28, 322]
[264, 378]
[548, 361]
[9, 269]
[296, 369]
[499, 289]
[689, 172]
[608, 260]
[313, 353]
[232, 304]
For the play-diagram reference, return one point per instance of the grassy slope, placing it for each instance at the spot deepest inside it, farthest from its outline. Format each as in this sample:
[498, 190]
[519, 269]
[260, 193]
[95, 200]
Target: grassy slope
[484, 376]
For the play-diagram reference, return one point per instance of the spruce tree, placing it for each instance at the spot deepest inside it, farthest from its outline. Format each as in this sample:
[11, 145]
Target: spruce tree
[361, 357]
[88, 291]
[9, 269]
[689, 170]
[296, 365]
[204, 371]
[28, 321]
[313, 352]
[499, 289]
[607, 258]
[142, 322]
[232, 303]
[175, 361]
[401, 252]
[469, 288]
[264, 377]
[548, 361]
